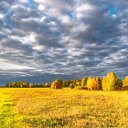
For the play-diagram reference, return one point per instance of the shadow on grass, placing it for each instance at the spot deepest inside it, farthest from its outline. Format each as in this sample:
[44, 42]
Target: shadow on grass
[34, 122]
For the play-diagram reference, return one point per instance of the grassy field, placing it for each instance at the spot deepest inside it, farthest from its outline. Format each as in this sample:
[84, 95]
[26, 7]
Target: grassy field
[64, 108]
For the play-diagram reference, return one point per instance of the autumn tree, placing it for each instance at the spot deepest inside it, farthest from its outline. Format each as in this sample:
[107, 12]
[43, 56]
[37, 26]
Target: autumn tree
[125, 83]
[20, 84]
[98, 81]
[74, 83]
[66, 83]
[84, 81]
[78, 82]
[109, 81]
[92, 83]
[104, 83]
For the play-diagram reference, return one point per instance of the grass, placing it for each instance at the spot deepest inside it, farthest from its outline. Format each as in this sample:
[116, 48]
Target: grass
[64, 108]
[8, 116]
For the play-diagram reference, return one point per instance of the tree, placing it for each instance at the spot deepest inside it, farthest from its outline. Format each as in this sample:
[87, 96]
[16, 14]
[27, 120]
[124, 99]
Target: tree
[104, 83]
[92, 83]
[19, 84]
[78, 82]
[66, 83]
[125, 83]
[98, 83]
[73, 83]
[109, 81]
[84, 81]
[118, 84]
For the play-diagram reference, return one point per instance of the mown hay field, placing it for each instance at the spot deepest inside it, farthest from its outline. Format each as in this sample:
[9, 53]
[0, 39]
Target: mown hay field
[62, 108]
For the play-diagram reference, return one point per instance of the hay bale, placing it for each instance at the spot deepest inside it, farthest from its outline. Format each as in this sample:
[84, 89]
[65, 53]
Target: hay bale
[57, 84]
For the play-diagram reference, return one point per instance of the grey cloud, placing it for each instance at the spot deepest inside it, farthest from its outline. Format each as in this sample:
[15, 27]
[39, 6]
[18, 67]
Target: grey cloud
[63, 38]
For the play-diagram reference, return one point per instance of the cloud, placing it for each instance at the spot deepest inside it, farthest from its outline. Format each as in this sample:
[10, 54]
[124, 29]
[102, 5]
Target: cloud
[71, 38]
[5, 65]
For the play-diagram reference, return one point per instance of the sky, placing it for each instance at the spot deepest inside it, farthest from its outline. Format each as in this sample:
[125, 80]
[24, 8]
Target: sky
[41, 40]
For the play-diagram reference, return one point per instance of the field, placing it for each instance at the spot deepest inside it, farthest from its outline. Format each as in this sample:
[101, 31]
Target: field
[63, 108]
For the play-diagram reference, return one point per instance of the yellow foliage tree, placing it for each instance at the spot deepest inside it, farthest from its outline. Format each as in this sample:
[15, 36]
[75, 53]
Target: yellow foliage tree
[93, 83]
[108, 82]
[104, 82]
[125, 83]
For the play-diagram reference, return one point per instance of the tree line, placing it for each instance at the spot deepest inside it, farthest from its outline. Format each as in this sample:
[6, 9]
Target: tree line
[110, 82]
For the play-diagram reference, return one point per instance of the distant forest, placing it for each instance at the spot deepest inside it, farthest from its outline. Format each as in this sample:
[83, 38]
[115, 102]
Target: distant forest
[110, 82]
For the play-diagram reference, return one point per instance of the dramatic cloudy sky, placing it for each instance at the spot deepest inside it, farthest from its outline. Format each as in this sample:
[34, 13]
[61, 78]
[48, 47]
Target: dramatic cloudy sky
[41, 40]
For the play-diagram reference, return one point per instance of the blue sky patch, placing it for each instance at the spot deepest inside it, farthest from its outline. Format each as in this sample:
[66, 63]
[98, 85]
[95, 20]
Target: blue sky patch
[112, 10]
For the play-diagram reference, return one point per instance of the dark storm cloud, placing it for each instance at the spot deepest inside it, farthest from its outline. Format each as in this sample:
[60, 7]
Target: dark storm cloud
[70, 39]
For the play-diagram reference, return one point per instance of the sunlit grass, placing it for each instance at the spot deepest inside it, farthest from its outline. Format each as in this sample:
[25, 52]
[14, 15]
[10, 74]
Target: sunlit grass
[9, 118]
[64, 108]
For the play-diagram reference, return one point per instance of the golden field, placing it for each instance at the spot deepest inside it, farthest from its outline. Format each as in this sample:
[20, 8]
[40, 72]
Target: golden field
[62, 108]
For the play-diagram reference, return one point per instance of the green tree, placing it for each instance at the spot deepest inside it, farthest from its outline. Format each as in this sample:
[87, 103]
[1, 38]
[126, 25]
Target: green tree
[118, 84]
[84, 81]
